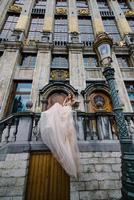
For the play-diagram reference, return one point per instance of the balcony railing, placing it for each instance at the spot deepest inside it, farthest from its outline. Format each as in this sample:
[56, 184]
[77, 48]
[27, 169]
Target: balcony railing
[24, 127]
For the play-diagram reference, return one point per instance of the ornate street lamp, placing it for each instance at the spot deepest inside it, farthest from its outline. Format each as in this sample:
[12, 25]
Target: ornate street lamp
[103, 48]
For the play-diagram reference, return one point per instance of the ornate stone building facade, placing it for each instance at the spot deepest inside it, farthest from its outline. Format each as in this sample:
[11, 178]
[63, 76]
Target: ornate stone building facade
[46, 52]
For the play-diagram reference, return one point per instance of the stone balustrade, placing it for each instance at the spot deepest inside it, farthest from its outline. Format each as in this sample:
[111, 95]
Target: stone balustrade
[89, 127]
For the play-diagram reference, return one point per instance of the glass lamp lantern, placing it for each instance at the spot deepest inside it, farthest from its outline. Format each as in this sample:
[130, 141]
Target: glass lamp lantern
[102, 47]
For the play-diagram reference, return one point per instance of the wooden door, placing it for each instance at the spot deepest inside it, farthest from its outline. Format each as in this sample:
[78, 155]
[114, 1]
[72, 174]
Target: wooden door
[47, 180]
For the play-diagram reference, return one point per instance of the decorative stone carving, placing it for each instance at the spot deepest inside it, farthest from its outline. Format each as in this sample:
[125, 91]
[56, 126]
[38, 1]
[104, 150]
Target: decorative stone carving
[99, 101]
[84, 11]
[74, 37]
[59, 74]
[129, 13]
[28, 42]
[61, 11]
[15, 8]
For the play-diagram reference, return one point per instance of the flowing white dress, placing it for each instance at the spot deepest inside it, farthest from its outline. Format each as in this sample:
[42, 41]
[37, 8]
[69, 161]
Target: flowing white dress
[58, 133]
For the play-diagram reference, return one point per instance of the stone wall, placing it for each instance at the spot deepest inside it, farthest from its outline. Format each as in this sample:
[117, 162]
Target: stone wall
[99, 178]
[13, 171]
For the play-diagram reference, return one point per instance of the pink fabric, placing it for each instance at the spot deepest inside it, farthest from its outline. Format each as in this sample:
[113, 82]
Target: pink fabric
[58, 133]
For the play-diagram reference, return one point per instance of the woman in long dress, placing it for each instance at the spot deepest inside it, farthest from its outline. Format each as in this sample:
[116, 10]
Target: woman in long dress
[58, 133]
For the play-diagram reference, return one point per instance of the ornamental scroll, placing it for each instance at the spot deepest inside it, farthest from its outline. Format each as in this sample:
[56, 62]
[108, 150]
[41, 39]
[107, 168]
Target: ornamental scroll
[15, 8]
[59, 74]
[61, 11]
[129, 13]
[84, 12]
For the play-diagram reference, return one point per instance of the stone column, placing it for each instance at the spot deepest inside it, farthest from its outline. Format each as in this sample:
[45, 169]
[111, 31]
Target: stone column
[72, 17]
[131, 4]
[77, 72]
[4, 5]
[121, 86]
[24, 19]
[7, 70]
[96, 17]
[49, 16]
[121, 21]
[41, 75]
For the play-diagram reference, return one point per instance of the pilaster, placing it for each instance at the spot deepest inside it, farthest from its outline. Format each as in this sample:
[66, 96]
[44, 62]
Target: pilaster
[96, 17]
[49, 16]
[4, 5]
[131, 4]
[121, 21]
[41, 75]
[121, 86]
[24, 19]
[72, 17]
[77, 73]
[7, 69]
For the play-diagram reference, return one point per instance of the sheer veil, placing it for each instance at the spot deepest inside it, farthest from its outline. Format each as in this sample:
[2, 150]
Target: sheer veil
[58, 133]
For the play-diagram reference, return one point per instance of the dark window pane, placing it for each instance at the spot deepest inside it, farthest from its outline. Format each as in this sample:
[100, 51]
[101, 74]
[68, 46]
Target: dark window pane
[131, 23]
[81, 3]
[85, 29]
[59, 61]
[60, 28]
[28, 60]
[19, 2]
[36, 27]
[103, 5]
[90, 61]
[111, 28]
[130, 90]
[62, 3]
[124, 61]
[9, 25]
[21, 97]
[40, 4]
[123, 5]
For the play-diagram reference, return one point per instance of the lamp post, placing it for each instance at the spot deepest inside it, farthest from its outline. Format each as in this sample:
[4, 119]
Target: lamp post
[103, 48]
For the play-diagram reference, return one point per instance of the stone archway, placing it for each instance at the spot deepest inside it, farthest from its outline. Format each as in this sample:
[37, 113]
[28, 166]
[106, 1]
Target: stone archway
[55, 92]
